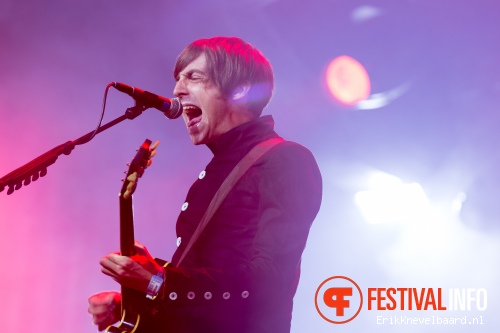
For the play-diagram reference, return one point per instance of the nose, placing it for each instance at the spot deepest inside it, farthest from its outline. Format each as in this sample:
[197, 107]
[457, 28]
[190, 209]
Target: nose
[180, 88]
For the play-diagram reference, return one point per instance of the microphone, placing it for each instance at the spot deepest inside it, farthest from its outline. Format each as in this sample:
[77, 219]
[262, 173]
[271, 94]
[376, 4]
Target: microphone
[171, 108]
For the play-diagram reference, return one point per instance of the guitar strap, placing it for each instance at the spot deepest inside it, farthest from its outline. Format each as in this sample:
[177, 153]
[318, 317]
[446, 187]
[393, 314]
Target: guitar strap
[239, 170]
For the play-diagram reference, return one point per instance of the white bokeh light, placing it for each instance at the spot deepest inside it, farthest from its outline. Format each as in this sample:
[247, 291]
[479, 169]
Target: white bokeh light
[389, 200]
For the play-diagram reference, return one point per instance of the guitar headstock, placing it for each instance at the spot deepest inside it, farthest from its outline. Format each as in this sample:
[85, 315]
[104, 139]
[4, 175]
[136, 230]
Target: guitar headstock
[136, 168]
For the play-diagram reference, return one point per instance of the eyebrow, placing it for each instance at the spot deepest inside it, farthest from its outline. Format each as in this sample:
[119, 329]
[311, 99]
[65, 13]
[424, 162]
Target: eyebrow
[195, 71]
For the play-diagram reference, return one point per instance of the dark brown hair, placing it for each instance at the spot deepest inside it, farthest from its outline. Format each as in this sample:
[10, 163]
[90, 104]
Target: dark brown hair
[232, 63]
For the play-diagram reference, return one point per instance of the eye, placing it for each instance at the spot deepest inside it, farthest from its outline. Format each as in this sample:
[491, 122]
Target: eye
[195, 78]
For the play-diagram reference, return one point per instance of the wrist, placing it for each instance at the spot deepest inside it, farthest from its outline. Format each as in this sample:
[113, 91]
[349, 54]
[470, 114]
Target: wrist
[155, 284]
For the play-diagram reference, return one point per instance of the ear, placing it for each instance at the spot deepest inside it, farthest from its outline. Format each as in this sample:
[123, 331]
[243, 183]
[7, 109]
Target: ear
[241, 91]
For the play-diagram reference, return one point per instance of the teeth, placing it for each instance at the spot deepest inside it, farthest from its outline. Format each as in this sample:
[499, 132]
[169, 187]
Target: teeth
[190, 107]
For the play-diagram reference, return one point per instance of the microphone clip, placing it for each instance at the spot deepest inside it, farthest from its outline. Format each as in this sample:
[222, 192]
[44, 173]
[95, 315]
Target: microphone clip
[135, 111]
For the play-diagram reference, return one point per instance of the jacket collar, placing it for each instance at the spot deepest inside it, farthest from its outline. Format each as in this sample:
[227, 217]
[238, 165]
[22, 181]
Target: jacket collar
[245, 136]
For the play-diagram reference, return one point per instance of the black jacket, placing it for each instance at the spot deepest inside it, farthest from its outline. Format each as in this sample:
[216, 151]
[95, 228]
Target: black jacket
[242, 273]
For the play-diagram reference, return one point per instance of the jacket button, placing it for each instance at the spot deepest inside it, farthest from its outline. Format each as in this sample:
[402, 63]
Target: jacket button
[202, 174]
[244, 294]
[208, 295]
[173, 296]
[184, 206]
[179, 240]
[190, 295]
[226, 295]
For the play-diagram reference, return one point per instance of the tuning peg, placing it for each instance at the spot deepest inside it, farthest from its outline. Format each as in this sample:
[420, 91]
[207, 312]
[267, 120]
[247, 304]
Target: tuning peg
[123, 179]
[128, 163]
[125, 171]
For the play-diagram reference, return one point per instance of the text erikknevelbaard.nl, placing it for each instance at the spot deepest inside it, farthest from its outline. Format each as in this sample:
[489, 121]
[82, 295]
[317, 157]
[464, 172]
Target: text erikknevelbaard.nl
[430, 320]
[466, 299]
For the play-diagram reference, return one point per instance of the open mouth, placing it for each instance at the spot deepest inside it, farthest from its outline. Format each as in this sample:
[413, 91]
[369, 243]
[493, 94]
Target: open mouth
[193, 113]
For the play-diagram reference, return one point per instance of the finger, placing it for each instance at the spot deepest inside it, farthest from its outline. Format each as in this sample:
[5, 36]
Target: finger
[152, 150]
[130, 188]
[126, 195]
[118, 264]
[116, 258]
[105, 297]
[141, 252]
[154, 145]
[109, 273]
[132, 177]
[103, 315]
[139, 245]
[104, 320]
[95, 309]
[116, 277]
[110, 265]
[152, 153]
[98, 312]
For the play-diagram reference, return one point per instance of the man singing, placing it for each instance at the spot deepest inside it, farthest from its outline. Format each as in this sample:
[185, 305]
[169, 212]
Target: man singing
[240, 275]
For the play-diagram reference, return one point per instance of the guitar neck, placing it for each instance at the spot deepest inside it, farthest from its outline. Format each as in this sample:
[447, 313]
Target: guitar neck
[132, 300]
[127, 238]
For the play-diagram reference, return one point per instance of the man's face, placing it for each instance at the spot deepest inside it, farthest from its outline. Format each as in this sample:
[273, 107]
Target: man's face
[206, 112]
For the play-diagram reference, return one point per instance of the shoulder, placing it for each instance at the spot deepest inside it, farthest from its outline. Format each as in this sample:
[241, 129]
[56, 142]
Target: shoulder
[290, 160]
[290, 153]
[289, 176]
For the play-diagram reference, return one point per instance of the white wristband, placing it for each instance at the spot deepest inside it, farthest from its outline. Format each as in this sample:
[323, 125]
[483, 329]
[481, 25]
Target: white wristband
[154, 287]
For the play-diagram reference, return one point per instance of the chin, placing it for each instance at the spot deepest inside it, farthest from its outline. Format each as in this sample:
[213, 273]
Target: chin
[197, 141]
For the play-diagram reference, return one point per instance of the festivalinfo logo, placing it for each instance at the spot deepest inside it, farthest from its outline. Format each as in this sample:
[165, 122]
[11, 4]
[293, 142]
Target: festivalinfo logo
[339, 300]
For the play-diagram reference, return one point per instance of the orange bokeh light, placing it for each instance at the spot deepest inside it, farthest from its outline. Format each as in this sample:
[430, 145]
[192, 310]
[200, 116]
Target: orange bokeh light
[347, 80]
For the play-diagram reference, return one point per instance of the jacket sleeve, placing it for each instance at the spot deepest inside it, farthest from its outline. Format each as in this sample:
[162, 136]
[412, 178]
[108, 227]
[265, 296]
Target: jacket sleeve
[290, 191]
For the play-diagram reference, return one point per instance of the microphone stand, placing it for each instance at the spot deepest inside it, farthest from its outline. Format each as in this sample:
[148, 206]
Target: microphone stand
[31, 171]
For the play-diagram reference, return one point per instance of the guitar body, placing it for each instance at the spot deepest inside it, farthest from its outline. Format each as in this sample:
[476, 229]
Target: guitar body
[128, 323]
[133, 301]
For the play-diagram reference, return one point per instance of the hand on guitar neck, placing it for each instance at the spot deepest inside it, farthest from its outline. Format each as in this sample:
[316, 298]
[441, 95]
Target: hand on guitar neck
[134, 272]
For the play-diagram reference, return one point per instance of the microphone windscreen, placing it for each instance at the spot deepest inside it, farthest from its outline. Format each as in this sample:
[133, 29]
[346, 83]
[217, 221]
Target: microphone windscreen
[175, 109]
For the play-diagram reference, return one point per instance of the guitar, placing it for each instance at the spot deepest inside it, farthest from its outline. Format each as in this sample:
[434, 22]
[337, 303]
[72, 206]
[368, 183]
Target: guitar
[132, 300]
